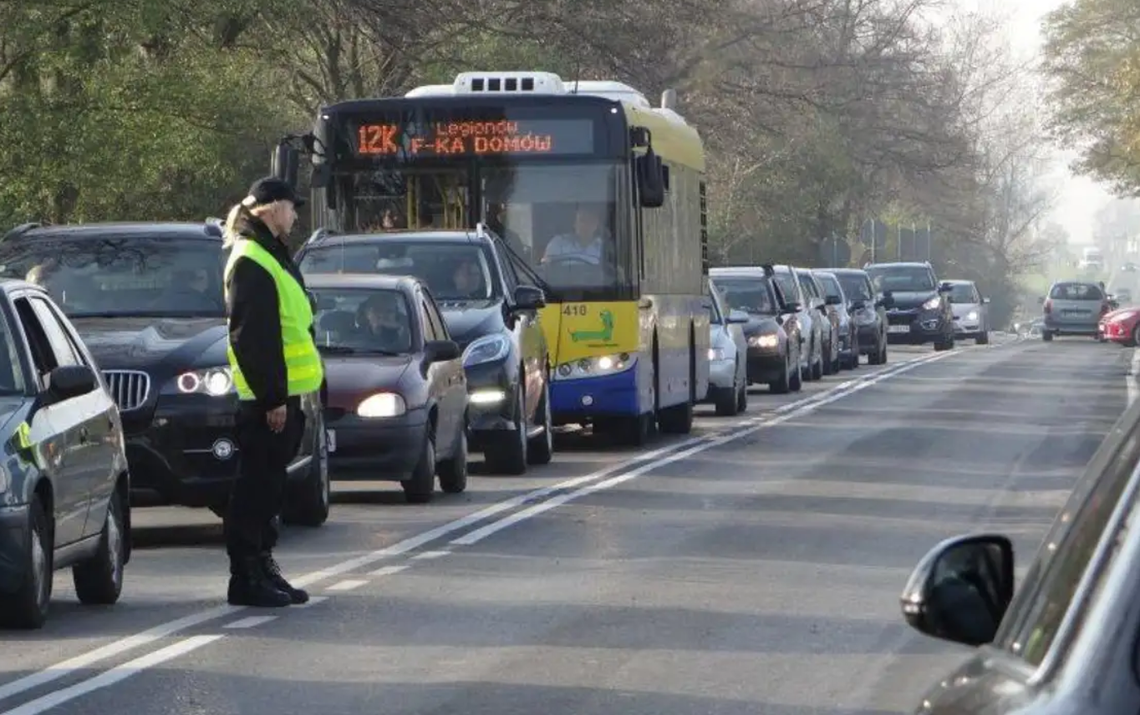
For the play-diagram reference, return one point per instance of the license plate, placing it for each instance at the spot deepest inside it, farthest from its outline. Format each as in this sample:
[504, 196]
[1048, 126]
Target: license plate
[331, 440]
[898, 328]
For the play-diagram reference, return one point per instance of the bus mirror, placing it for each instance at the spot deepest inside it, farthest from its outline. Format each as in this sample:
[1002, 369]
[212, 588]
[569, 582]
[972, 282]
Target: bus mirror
[650, 180]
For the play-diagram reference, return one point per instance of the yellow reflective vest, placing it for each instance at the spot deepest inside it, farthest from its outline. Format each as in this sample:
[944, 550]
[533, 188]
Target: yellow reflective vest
[304, 370]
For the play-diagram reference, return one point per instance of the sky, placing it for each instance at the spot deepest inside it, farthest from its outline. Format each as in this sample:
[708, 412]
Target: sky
[1080, 197]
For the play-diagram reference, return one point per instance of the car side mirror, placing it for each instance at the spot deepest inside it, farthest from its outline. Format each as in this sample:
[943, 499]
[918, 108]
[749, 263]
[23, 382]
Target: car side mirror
[442, 351]
[69, 381]
[737, 317]
[945, 288]
[985, 301]
[792, 307]
[833, 300]
[887, 301]
[529, 298]
[822, 308]
[859, 304]
[961, 589]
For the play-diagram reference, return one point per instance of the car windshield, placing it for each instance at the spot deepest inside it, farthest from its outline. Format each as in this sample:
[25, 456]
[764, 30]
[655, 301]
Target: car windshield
[751, 295]
[11, 374]
[830, 287]
[905, 279]
[123, 276]
[362, 320]
[452, 271]
[962, 293]
[787, 284]
[855, 286]
[1076, 291]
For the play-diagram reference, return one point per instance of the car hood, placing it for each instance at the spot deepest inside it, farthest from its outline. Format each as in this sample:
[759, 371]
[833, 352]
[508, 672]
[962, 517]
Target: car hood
[1120, 314]
[760, 324]
[961, 310]
[163, 345]
[353, 378]
[907, 300]
[468, 320]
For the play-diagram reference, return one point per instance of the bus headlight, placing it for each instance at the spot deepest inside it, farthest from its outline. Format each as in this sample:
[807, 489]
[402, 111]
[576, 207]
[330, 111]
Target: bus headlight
[595, 366]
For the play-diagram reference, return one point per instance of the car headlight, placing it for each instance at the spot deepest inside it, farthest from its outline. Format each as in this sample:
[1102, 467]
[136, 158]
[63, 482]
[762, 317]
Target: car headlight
[595, 366]
[717, 354]
[488, 348]
[973, 315]
[764, 340]
[933, 304]
[215, 381]
[383, 404]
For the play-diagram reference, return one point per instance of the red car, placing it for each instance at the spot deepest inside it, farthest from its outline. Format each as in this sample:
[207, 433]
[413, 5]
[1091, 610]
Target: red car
[1121, 326]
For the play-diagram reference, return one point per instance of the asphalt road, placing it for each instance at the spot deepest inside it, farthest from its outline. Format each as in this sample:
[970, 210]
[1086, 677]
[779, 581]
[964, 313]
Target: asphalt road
[751, 568]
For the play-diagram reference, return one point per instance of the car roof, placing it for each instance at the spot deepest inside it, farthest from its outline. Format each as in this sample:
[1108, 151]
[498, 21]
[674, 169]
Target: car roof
[743, 271]
[1092, 284]
[848, 271]
[378, 281]
[322, 238]
[908, 264]
[12, 285]
[208, 230]
[958, 282]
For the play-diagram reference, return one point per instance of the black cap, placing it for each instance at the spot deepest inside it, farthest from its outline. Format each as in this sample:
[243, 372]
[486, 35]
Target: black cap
[270, 189]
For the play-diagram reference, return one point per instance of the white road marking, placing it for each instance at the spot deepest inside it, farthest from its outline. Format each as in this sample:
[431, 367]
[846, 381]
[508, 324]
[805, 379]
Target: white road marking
[1131, 379]
[250, 622]
[428, 555]
[348, 585]
[478, 535]
[115, 675]
[388, 570]
[313, 600]
[67, 667]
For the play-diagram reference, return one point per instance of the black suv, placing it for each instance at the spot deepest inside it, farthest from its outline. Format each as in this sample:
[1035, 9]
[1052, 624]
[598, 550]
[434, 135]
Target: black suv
[64, 490]
[918, 305]
[489, 310]
[147, 299]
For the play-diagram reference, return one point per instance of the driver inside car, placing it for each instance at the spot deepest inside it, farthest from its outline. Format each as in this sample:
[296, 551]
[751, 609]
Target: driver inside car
[585, 245]
[378, 319]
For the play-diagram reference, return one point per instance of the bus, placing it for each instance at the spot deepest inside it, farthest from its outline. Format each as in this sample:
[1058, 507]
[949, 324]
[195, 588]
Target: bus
[599, 194]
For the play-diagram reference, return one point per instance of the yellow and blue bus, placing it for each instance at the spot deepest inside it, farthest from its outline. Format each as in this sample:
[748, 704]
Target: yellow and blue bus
[599, 193]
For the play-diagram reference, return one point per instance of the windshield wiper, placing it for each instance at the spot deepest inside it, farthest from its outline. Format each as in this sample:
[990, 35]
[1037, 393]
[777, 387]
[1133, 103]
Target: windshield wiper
[377, 351]
[336, 349]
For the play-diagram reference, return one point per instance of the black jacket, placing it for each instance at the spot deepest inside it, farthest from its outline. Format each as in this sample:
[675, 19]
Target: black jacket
[255, 317]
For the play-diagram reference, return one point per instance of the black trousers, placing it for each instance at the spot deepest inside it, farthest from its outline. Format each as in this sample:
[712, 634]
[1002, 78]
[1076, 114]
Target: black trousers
[253, 522]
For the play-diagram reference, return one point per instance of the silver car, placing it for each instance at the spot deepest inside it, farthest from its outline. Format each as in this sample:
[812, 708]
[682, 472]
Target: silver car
[809, 313]
[971, 312]
[1073, 308]
[728, 357]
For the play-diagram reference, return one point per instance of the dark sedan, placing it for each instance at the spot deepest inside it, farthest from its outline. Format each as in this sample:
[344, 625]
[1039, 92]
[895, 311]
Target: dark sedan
[492, 317]
[867, 312]
[918, 305]
[147, 300]
[772, 331]
[64, 487]
[397, 394]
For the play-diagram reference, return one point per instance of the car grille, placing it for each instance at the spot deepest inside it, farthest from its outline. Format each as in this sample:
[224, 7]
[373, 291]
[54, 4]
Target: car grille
[901, 317]
[129, 388]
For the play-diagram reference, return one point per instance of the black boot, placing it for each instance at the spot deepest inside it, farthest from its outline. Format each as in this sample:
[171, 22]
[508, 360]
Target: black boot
[249, 586]
[273, 574]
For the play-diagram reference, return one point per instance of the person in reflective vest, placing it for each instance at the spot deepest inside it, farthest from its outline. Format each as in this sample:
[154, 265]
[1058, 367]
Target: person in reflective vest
[274, 361]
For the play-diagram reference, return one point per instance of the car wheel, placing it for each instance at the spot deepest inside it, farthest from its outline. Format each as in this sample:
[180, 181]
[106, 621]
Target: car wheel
[825, 359]
[310, 499]
[540, 449]
[453, 471]
[508, 453]
[420, 487]
[817, 368]
[1046, 336]
[784, 384]
[795, 376]
[27, 608]
[983, 338]
[742, 398]
[99, 581]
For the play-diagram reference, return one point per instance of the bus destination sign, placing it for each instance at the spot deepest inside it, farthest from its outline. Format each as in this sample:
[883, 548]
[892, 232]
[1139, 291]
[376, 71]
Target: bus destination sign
[475, 138]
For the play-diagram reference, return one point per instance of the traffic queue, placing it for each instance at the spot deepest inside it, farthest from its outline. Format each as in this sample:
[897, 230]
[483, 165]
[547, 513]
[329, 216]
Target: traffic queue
[119, 392]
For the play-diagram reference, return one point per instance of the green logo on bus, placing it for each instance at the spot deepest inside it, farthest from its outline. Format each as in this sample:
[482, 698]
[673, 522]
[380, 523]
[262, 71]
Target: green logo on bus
[604, 335]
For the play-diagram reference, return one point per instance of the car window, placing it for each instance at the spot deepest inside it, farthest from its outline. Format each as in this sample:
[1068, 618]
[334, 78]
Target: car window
[750, 295]
[1049, 588]
[124, 275]
[808, 286]
[716, 310]
[363, 320]
[831, 287]
[1076, 291]
[42, 354]
[11, 372]
[437, 322]
[902, 278]
[789, 287]
[453, 271]
[856, 287]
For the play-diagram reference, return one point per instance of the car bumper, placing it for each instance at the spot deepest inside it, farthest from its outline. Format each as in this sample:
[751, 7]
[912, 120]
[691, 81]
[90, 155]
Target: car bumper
[868, 338]
[765, 366]
[491, 405]
[967, 328]
[722, 373]
[14, 531]
[914, 328]
[1083, 326]
[577, 400]
[383, 449]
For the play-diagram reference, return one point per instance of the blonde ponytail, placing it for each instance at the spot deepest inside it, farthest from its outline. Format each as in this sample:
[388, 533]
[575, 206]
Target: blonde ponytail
[233, 220]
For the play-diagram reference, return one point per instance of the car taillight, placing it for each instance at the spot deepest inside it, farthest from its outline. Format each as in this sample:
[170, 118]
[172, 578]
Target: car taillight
[1049, 305]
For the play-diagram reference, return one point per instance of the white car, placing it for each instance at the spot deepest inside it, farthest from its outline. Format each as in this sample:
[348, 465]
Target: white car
[728, 357]
[971, 312]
